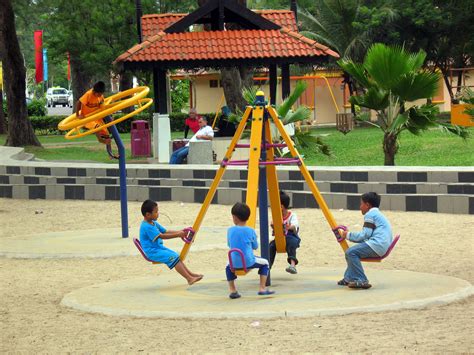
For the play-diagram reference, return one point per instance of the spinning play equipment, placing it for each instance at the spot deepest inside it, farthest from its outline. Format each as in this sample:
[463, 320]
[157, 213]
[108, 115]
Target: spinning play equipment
[262, 175]
[75, 126]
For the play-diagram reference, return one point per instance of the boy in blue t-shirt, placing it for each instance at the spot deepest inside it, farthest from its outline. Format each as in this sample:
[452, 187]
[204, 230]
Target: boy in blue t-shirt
[244, 238]
[374, 240]
[151, 238]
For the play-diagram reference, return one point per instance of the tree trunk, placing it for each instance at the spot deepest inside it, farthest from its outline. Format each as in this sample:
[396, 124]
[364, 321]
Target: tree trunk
[460, 75]
[20, 130]
[2, 114]
[390, 148]
[348, 80]
[234, 80]
[232, 86]
[80, 82]
[448, 86]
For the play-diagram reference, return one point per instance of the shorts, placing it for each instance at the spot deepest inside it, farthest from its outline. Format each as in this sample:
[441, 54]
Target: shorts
[164, 256]
[95, 124]
[260, 263]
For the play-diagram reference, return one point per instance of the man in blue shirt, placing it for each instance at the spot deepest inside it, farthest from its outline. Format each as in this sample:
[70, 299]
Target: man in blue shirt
[374, 240]
[244, 239]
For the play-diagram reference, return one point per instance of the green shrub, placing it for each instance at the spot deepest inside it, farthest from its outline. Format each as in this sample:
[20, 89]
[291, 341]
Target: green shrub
[49, 124]
[46, 124]
[37, 108]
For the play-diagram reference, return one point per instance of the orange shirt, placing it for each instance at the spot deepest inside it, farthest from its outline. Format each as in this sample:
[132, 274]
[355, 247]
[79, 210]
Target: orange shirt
[90, 102]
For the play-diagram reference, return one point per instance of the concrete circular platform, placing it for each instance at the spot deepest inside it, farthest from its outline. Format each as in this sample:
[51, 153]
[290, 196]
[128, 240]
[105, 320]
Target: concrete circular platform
[97, 243]
[307, 294]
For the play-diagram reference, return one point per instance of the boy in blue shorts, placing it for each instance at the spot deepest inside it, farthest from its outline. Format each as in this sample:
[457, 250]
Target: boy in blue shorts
[374, 240]
[244, 238]
[151, 238]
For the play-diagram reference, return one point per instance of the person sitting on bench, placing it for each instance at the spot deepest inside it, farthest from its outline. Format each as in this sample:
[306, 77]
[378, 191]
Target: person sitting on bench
[205, 133]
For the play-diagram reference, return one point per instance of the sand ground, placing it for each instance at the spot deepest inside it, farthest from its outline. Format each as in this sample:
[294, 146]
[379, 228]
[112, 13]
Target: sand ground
[32, 319]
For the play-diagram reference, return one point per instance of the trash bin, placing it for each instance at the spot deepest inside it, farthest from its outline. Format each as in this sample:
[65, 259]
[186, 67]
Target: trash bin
[141, 139]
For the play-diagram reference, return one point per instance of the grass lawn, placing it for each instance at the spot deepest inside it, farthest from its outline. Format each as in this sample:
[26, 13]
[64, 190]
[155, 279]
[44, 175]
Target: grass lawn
[362, 146]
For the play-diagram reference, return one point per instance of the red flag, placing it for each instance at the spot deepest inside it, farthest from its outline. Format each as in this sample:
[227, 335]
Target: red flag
[68, 67]
[39, 55]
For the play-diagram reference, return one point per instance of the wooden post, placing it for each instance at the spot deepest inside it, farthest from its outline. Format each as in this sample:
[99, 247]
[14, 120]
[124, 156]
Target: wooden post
[285, 80]
[273, 84]
[160, 93]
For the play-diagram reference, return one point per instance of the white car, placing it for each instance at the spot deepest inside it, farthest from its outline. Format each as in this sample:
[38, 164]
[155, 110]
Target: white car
[57, 96]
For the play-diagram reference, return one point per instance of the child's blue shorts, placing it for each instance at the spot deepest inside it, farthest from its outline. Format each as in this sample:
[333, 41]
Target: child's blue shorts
[165, 256]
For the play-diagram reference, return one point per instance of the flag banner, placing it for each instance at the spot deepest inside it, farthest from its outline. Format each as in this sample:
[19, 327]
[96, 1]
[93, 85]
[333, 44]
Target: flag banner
[45, 64]
[68, 67]
[39, 56]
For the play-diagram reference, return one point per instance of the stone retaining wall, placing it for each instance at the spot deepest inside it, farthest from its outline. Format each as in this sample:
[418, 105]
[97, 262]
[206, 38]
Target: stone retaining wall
[433, 189]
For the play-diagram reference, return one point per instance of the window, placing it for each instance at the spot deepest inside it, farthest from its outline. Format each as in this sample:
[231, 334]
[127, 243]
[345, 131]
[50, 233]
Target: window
[213, 83]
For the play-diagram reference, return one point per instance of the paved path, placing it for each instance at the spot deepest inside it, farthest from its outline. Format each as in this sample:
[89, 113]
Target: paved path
[97, 243]
[311, 292]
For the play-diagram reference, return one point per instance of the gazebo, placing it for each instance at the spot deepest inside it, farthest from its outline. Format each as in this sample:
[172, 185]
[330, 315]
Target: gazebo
[267, 38]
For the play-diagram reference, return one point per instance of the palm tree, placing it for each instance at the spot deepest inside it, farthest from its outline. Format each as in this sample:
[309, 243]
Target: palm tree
[339, 24]
[307, 140]
[394, 80]
[468, 98]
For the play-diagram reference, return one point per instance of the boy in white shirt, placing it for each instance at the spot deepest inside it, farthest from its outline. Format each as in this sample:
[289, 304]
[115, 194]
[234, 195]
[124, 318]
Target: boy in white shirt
[205, 133]
[291, 229]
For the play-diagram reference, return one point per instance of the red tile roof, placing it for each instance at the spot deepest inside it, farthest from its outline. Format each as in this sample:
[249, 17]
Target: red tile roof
[159, 46]
[219, 45]
[284, 18]
[154, 23]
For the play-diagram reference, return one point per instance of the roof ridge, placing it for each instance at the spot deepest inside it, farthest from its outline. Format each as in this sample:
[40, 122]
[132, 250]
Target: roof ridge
[307, 40]
[139, 46]
[260, 11]
[168, 14]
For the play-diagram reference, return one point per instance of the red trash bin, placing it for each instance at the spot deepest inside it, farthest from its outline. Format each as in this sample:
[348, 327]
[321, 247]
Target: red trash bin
[141, 139]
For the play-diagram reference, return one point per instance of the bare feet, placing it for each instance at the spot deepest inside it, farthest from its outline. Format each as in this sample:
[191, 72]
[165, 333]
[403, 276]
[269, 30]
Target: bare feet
[193, 280]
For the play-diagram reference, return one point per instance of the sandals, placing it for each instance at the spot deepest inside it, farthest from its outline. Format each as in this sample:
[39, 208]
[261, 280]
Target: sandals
[342, 282]
[234, 295]
[266, 293]
[359, 285]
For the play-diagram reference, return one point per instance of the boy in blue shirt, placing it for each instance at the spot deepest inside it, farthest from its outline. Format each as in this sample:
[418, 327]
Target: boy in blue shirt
[151, 238]
[244, 238]
[374, 240]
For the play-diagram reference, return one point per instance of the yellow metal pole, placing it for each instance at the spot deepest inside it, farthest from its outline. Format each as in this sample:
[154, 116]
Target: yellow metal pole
[215, 183]
[274, 193]
[218, 109]
[254, 159]
[332, 94]
[307, 176]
